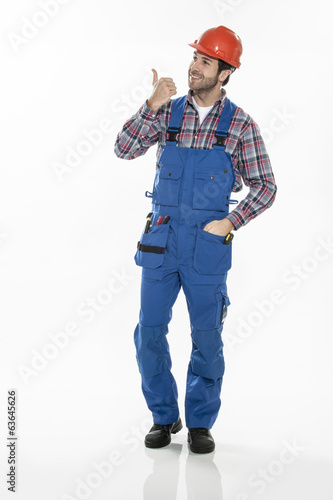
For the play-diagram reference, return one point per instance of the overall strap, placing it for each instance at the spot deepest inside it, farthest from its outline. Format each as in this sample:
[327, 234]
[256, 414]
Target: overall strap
[177, 112]
[223, 125]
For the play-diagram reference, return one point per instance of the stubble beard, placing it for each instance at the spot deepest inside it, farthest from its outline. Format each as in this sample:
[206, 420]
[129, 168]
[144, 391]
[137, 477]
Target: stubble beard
[205, 86]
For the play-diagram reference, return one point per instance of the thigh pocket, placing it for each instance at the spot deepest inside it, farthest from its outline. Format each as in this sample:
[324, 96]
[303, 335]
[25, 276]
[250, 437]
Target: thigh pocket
[223, 304]
[211, 256]
[151, 247]
[167, 185]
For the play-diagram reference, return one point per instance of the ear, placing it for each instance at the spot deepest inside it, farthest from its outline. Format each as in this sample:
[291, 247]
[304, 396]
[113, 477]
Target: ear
[224, 74]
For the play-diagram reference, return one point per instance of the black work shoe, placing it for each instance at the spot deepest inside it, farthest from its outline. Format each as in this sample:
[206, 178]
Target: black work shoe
[160, 435]
[200, 440]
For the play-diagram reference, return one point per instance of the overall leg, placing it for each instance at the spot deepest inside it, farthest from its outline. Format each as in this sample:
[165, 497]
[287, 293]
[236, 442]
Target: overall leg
[207, 305]
[152, 349]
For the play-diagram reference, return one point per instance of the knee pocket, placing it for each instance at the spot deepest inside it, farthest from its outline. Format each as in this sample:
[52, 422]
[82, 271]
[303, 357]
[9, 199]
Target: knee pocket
[152, 349]
[207, 358]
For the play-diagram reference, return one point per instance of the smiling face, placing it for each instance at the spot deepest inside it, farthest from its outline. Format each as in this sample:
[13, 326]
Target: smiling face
[203, 74]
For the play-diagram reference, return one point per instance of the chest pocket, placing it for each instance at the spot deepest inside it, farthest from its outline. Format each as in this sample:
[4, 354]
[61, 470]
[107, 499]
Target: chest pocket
[167, 184]
[210, 191]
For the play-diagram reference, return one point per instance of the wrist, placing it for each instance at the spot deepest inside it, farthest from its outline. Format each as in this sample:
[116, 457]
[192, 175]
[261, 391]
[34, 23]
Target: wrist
[151, 105]
[230, 226]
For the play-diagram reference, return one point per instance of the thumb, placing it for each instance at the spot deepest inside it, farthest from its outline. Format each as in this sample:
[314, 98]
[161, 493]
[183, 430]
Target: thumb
[155, 76]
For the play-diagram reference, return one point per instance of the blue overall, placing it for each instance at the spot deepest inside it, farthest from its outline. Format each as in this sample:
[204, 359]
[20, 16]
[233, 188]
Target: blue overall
[193, 187]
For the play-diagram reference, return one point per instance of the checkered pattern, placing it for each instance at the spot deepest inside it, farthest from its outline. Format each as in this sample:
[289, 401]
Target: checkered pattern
[244, 144]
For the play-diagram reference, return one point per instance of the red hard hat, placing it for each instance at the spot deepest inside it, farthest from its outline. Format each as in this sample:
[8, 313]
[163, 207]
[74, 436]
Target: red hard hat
[222, 43]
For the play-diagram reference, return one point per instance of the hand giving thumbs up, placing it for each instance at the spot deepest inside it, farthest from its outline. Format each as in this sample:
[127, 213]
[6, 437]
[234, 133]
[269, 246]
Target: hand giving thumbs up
[164, 88]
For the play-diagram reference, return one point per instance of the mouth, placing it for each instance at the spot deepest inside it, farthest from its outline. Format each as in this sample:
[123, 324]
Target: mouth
[194, 77]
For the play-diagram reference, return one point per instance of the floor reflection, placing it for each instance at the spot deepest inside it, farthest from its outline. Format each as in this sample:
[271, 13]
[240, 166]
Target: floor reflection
[202, 477]
[162, 483]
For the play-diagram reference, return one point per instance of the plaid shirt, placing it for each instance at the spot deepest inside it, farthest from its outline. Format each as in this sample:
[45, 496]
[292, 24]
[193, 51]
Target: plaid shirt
[244, 143]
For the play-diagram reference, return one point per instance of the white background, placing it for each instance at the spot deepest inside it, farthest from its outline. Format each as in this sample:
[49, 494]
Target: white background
[66, 238]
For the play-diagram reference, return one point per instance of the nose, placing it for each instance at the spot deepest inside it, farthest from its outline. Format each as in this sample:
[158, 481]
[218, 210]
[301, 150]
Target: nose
[194, 66]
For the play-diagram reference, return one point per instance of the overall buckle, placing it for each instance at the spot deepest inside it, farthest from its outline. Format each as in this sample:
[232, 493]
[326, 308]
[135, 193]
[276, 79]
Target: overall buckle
[220, 140]
[172, 134]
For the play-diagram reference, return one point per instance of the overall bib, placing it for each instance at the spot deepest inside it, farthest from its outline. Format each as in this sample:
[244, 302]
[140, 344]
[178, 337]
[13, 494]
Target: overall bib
[193, 187]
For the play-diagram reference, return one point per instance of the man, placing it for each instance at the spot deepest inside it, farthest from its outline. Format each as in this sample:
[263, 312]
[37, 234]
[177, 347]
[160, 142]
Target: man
[206, 147]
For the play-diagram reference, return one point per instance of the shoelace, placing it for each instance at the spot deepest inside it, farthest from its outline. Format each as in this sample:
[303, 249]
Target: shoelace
[159, 427]
[201, 431]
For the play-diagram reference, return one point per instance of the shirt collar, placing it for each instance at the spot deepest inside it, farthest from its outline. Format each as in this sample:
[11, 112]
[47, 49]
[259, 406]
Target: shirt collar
[218, 102]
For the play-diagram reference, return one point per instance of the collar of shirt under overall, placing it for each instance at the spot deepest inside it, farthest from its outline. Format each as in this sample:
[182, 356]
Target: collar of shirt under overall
[202, 110]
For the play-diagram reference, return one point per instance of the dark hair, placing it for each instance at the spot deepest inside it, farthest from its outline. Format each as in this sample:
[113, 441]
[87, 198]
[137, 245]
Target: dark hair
[223, 65]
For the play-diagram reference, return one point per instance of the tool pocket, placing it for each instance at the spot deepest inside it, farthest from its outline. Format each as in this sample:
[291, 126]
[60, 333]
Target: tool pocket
[224, 303]
[151, 247]
[167, 184]
[209, 191]
[211, 256]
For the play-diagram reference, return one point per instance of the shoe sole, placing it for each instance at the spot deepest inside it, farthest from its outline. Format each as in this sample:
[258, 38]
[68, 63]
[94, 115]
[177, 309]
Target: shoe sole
[175, 429]
[202, 450]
